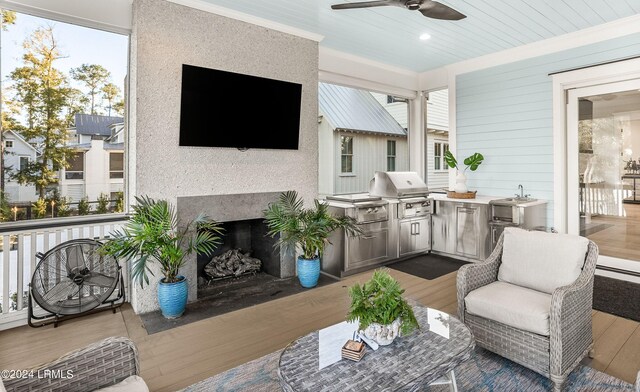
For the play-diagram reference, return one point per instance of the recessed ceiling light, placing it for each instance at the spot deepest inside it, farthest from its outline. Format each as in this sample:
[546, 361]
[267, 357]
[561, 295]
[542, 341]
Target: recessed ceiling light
[425, 36]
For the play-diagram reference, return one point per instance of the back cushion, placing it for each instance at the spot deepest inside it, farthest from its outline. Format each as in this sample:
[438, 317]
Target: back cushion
[541, 261]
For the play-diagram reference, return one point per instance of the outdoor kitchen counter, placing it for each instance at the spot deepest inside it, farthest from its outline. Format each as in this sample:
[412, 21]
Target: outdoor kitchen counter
[480, 200]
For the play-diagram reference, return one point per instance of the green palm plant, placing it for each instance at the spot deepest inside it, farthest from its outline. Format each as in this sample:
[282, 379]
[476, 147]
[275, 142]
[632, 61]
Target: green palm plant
[306, 228]
[152, 234]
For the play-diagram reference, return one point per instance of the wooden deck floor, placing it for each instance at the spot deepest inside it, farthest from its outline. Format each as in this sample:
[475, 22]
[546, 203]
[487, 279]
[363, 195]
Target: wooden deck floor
[181, 356]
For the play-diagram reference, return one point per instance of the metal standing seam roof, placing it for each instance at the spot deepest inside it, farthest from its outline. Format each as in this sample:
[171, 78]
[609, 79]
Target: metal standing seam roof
[356, 110]
[93, 124]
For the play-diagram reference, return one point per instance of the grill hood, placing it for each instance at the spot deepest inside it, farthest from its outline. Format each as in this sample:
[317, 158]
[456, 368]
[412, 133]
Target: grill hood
[397, 184]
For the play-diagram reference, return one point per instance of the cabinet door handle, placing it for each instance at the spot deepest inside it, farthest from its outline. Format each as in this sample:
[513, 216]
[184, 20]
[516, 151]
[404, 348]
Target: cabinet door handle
[417, 228]
[368, 237]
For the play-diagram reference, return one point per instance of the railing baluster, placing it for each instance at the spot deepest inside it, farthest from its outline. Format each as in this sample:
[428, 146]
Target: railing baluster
[6, 258]
[20, 263]
[69, 233]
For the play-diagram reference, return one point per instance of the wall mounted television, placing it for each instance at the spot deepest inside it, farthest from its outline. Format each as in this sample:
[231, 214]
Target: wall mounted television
[270, 110]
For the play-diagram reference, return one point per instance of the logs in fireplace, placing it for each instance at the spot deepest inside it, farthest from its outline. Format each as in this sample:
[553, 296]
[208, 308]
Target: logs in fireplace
[233, 263]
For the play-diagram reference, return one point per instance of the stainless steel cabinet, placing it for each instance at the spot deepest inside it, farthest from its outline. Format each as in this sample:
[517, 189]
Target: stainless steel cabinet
[368, 248]
[442, 238]
[467, 231]
[461, 229]
[415, 235]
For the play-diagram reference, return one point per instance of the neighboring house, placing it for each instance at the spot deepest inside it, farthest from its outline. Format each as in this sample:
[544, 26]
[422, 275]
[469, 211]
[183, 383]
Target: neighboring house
[17, 154]
[97, 166]
[437, 137]
[357, 137]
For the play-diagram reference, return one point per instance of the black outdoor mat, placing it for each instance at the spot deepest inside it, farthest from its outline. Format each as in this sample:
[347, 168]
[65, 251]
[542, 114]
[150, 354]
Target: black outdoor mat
[428, 266]
[617, 297]
[228, 296]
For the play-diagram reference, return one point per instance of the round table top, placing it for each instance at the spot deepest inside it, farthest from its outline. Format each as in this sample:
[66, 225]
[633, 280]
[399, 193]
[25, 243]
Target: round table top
[313, 361]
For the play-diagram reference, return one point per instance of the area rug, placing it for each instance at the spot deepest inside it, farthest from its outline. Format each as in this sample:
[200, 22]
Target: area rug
[428, 266]
[484, 372]
[229, 296]
[617, 297]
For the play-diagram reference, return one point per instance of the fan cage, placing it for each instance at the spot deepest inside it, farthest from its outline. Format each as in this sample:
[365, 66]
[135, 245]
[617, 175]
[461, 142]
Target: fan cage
[73, 279]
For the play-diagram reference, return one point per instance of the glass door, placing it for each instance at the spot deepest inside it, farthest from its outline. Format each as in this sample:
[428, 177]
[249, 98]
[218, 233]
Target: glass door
[603, 166]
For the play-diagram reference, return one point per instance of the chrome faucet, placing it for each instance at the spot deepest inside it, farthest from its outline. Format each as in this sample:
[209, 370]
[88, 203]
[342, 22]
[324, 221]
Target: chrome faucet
[522, 195]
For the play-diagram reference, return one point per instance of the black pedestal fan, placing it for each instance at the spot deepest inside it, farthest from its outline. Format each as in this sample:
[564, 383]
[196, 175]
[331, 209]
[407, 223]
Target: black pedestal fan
[74, 279]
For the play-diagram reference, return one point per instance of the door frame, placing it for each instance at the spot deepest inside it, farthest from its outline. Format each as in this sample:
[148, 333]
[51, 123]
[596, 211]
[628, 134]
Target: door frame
[562, 83]
[565, 146]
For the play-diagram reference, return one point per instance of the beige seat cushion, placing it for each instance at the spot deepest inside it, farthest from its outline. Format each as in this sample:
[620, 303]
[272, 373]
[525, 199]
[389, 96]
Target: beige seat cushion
[541, 261]
[129, 384]
[512, 305]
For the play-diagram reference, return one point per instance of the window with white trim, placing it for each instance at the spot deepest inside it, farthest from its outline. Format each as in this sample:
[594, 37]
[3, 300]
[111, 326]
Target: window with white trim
[391, 155]
[439, 149]
[8, 143]
[346, 154]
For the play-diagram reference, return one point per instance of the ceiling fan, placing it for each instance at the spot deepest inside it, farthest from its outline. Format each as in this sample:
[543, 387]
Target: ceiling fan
[428, 8]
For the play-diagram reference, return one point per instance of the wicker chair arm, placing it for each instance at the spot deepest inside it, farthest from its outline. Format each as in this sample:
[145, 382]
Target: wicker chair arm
[638, 382]
[96, 366]
[476, 275]
[570, 317]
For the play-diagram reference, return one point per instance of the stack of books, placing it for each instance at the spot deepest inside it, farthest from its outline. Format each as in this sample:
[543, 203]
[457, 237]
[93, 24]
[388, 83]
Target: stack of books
[353, 350]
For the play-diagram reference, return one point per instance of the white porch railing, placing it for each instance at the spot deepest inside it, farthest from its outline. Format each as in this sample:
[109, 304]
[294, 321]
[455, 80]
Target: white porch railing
[21, 241]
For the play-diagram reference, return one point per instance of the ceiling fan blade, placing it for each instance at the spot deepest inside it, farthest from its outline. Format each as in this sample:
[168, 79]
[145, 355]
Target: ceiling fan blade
[364, 4]
[433, 9]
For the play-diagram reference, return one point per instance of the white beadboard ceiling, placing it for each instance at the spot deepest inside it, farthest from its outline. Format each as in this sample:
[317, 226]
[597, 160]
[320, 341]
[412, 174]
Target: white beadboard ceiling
[390, 34]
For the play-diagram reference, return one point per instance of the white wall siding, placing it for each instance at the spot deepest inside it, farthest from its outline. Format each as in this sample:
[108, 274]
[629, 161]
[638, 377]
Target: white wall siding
[399, 110]
[436, 180]
[16, 192]
[505, 113]
[369, 156]
[326, 158]
[438, 110]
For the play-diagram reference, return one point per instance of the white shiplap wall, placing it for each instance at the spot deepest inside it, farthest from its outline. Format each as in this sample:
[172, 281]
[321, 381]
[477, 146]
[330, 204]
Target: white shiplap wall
[436, 180]
[369, 156]
[505, 112]
[438, 110]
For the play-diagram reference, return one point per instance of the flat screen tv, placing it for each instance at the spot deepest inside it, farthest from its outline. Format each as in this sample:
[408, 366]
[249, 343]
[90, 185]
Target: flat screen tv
[269, 110]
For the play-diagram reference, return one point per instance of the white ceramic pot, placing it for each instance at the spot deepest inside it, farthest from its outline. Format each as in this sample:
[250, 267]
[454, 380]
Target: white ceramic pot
[461, 183]
[383, 334]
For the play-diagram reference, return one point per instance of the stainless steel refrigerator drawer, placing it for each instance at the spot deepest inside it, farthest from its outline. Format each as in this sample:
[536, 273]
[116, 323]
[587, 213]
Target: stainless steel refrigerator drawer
[367, 249]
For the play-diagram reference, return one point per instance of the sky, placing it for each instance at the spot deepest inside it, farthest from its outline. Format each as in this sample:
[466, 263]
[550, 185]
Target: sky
[79, 45]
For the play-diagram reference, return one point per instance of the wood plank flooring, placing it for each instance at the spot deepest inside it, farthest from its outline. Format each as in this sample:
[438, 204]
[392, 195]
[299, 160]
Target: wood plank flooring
[176, 358]
[622, 238]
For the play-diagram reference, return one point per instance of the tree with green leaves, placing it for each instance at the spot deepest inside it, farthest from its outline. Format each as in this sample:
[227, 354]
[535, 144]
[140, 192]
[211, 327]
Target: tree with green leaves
[119, 107]
[5, 209]
[110, 93]
[77, 102]
[103, 203]
[84, 208]
[42, 91]
[94, 77]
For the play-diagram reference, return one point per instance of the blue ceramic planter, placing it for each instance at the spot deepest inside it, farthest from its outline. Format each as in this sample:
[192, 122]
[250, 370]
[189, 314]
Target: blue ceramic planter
[308, 271]
[172, 297]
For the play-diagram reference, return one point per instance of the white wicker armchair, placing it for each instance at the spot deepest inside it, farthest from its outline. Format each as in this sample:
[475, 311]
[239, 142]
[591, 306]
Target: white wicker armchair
[96, 366]
[569, 327]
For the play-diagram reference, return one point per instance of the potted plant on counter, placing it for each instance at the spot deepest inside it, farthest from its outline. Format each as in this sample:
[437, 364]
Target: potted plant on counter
[380, 309]
[152, 234]
[471, 162]
[305, 229]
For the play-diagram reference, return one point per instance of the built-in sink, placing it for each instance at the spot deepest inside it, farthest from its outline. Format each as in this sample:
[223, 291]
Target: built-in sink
[513, 200]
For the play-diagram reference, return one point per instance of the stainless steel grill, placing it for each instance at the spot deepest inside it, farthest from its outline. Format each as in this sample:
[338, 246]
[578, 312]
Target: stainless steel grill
[350, 254]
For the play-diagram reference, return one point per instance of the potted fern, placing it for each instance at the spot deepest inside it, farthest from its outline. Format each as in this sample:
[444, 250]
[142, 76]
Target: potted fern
[305, 229]
[152, 235]
[379, 308]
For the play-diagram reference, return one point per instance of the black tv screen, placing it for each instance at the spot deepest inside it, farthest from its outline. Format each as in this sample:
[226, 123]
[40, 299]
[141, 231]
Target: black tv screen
[270, 110]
